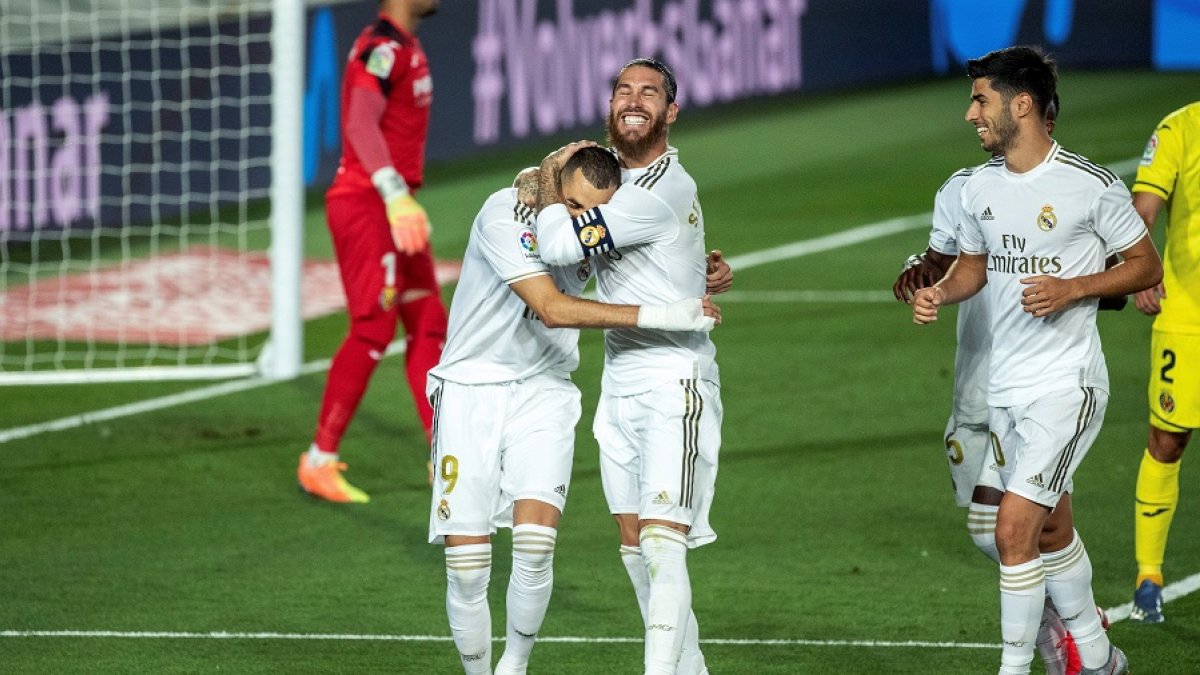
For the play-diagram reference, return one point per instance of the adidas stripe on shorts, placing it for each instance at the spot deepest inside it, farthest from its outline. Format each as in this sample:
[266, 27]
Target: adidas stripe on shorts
[658, 453]
[1044, 442]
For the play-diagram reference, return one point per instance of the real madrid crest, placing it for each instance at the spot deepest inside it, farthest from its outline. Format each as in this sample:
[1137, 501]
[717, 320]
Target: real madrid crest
[443, 510]
[591, 235]
[1046, 220]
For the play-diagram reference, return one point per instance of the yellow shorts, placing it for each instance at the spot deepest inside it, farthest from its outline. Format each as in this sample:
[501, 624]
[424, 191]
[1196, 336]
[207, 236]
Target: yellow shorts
[1174, 381]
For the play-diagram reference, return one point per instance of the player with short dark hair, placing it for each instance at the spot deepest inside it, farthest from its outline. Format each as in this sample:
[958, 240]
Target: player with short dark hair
[1019, 70]
[380, 234]
[597, 165]
[1035, 229]
[974, 474]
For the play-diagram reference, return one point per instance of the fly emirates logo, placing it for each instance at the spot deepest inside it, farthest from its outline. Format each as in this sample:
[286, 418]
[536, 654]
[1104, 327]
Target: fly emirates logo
[1015, 259]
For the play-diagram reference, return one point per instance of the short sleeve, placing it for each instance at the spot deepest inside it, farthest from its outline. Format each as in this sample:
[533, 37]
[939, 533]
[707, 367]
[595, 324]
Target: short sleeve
[943, 235]
[1160, 163]
[378, 67]
[1115, 220]
[510, 246]
[969, 234]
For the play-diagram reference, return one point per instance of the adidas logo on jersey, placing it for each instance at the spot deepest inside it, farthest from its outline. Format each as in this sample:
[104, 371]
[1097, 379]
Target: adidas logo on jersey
[561, 489]
[1036, 481]
[987, 214]
[662, 498]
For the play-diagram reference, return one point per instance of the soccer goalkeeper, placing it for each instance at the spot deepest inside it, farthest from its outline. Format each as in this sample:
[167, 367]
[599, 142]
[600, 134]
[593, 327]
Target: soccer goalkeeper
[380, 233]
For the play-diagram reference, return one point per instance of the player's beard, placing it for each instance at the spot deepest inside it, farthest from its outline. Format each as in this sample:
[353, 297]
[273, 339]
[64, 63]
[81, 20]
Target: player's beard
[636, 147]
[1004, 130]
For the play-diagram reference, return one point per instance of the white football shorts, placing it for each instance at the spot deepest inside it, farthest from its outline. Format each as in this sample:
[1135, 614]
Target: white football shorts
[496, 443]
[658, 453]
[1042, 443]
[970, 457]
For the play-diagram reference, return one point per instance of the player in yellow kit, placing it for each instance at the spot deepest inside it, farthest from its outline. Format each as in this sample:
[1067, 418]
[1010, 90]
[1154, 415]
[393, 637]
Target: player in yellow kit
[1169, 176]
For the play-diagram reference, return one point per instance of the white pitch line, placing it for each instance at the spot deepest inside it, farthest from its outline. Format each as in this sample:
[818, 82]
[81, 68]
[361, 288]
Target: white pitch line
[1170, 592]
[191, 396]
[829, 242]
[224, 635]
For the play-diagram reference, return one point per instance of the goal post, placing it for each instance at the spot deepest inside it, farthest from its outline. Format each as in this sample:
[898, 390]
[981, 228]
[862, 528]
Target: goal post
[286, 348]
[151, 190]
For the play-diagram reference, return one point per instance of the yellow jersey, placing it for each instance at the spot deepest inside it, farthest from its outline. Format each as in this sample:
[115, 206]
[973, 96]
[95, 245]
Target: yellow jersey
[1170, 168]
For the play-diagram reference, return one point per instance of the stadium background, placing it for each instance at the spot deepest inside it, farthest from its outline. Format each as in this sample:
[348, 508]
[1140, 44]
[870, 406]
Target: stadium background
[840, 547]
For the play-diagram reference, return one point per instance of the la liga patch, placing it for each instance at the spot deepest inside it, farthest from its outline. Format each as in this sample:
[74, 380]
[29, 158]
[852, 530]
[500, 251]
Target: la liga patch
[529, 245]
[381, 60]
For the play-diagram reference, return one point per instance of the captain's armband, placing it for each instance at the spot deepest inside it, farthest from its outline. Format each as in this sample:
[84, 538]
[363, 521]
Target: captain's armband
[592, 233]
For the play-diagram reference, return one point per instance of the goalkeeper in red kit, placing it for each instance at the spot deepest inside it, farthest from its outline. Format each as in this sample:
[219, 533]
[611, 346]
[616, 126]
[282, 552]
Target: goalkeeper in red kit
[380, 233]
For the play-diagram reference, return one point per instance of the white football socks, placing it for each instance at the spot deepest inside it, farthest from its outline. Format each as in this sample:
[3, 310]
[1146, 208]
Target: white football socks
[981, 523]
[1069, 583]
[635, 567]
[665, 552]
[468, 569]
[318, 458]
[1022, 598]
[529, 589]
[691, 659]
[1050, 639]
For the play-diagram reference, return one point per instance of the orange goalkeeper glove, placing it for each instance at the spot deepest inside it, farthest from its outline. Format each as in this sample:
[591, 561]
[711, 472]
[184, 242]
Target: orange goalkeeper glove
[407, 219]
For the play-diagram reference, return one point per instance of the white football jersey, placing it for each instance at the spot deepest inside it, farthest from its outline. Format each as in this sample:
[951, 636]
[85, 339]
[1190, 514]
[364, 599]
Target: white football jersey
[493, 336]
[974, 328]
[648, 248]
[1061, 218]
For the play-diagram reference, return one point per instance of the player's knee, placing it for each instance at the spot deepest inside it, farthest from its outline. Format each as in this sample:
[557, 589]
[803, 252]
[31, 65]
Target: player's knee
[534, 565]
[1015, 543]
[533, 556]
[1055, 536]
[470, 586]
[1167, 446]
[468, 571]
[376, 330]
[659, 540]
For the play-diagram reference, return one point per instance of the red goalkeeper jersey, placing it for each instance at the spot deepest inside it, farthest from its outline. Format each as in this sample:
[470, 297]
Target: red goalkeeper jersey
[388, 60]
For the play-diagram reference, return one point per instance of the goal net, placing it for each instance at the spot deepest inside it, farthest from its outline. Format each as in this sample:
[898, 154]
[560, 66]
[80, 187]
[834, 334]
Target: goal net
[150, 197]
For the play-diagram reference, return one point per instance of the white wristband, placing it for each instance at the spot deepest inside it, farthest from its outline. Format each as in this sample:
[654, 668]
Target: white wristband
[684, 315]
[389, 183]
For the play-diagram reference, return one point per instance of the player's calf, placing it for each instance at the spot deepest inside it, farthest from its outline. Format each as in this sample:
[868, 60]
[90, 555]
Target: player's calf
[468, 570]
[529, 589]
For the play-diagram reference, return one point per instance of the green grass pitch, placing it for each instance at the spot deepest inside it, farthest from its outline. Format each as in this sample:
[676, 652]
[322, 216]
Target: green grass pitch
[833, 507]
